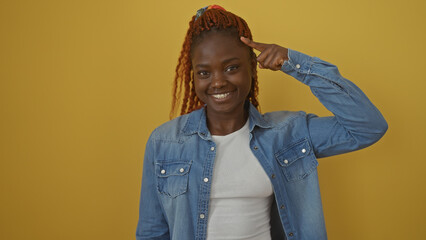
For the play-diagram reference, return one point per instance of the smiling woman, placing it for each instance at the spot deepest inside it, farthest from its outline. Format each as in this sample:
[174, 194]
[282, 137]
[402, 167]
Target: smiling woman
[222, 79]
[211, 19]
[222, 170]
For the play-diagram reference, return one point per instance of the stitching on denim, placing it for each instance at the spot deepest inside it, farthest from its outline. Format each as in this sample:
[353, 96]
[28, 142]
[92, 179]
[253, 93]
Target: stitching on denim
[338, 86]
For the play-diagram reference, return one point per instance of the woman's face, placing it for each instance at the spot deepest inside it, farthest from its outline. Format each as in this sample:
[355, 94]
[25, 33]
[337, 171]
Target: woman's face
[222, 72]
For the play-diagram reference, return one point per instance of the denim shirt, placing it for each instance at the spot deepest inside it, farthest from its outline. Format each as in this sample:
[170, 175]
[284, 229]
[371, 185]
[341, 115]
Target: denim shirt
[180, 156]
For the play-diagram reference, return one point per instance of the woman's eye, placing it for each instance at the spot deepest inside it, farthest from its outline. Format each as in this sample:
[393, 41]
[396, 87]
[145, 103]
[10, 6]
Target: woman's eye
[203, 73]
[231, 68]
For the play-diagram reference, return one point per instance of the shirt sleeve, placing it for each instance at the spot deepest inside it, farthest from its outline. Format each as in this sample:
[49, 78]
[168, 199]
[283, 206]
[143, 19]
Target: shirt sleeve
[356, 123]
[152, 224]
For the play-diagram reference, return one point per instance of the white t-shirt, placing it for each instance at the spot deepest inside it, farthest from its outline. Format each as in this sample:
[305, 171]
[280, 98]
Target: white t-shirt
[241, 192]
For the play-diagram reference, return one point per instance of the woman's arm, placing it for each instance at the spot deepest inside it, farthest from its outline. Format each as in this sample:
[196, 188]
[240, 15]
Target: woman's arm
[152, 223]
[356, 123]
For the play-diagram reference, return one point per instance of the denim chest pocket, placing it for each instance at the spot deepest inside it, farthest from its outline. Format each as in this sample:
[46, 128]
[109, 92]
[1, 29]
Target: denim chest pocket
[172, 177]
[297, 161]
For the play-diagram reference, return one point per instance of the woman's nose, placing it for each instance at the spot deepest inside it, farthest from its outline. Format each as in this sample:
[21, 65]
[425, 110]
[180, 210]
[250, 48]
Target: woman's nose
[218, 81]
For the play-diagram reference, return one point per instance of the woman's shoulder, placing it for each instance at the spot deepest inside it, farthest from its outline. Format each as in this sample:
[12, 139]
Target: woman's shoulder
[281, 118]
[171, 130]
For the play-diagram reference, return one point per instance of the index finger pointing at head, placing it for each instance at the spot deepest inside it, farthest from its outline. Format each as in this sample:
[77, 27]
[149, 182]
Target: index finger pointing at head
[253, 44]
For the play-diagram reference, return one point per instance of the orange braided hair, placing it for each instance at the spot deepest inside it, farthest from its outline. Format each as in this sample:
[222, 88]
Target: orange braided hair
[213, 19]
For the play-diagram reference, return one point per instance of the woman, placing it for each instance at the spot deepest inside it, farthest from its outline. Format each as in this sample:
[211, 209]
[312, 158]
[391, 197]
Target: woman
[222, 170]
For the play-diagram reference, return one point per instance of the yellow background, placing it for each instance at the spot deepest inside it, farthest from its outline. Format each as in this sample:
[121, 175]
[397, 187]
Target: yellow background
[83, 83]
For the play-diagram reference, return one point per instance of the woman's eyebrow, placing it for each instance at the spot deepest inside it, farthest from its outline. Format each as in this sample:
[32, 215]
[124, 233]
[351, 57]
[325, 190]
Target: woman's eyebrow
[230, 60]
[201, 65]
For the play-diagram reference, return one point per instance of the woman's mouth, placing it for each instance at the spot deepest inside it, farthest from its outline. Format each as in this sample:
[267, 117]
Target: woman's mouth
[221, 95]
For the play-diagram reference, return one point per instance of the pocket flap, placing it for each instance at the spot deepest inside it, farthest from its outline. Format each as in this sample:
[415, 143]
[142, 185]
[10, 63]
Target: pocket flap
[171, 169]
[290, 154]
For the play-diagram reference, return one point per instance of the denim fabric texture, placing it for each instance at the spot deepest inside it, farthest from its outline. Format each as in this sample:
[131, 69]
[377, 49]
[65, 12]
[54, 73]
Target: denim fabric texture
[180, 154]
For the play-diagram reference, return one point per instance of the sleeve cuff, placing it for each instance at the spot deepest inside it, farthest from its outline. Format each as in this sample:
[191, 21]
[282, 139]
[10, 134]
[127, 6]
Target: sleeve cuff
[297, 61]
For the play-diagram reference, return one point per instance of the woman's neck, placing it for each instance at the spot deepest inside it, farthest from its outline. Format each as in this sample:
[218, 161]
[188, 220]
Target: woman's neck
[223, 124]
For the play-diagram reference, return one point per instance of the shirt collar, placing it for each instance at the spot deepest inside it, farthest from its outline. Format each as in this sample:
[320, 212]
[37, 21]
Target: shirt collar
[196, 122]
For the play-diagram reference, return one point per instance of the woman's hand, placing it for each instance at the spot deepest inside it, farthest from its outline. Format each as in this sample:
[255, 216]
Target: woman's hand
[271, 56]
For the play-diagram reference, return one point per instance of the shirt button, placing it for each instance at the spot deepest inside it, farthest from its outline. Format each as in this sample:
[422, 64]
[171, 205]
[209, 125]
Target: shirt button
[163, 171]
[297, 66]
[290, 234]
[286, 161]
[206, 179]
[202, 216]
[255, 147]
[282, 206]
[212, 149]
[181, 170]
[273, 176]
[303, 150]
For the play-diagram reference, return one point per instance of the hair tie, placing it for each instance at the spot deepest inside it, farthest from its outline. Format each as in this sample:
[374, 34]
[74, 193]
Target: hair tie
[202, 10]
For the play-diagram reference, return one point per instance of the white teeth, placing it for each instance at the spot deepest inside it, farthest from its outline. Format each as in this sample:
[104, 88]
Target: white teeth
[220, 96]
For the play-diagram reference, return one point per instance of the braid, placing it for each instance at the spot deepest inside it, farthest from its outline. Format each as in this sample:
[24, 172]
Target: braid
[211, 19]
